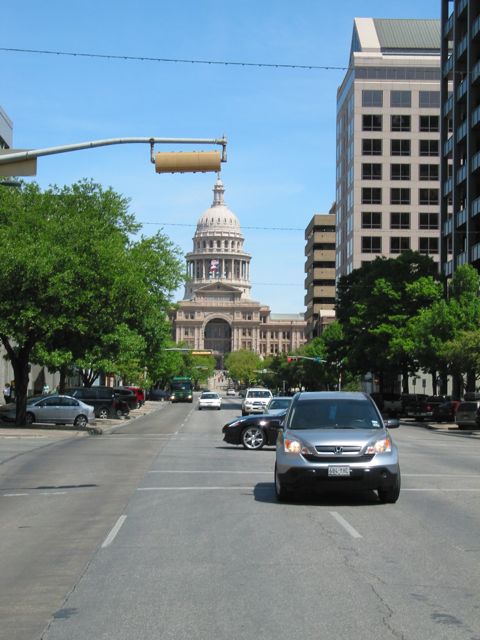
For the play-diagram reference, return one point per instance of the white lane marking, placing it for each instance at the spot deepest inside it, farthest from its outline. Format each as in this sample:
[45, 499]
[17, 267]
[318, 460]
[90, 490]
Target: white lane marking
[113, 533]
[193, 488]
[440, 475]
[14, 495]
[444, 490]
[52, 493]
[267, 473]
[346, 525]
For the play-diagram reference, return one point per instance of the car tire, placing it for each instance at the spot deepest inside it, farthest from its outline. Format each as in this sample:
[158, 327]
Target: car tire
[80, 422]
[29, 418]
[103, 413]
[390, 495]
[253, 438]
[283, 494]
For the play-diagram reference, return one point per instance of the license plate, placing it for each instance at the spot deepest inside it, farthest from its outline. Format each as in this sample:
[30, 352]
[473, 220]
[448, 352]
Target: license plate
[339, 470]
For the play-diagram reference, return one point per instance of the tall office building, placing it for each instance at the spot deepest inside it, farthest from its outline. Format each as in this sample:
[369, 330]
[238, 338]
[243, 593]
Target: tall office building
[320, 272]
[6, 130]
[388, 123]
[460, 135]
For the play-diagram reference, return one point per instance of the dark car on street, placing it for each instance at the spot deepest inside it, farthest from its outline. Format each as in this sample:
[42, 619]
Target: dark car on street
[127, 395]
[253, 431]
[104, 400]
[445, 412]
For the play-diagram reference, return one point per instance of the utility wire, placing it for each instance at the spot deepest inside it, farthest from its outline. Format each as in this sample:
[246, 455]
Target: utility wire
[227, 63]
[179, 224]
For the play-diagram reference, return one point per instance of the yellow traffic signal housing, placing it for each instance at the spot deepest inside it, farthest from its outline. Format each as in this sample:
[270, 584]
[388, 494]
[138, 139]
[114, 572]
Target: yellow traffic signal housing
[187, 161]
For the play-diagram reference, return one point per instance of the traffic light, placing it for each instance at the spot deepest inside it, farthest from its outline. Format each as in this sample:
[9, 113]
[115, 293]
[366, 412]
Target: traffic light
[187, 161]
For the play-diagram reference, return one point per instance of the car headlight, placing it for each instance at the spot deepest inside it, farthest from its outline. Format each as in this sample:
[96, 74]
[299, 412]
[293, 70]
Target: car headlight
[294, 446]
[381, 446]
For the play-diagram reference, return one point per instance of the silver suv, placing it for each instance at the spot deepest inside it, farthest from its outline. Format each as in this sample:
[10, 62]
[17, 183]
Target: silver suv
[256, 400]
[336, 439]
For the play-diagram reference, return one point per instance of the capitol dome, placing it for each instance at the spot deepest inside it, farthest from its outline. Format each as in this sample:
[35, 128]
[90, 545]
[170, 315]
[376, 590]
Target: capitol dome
[218, 217]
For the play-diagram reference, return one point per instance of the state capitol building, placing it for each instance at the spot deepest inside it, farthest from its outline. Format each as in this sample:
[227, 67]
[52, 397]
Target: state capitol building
[217, 311]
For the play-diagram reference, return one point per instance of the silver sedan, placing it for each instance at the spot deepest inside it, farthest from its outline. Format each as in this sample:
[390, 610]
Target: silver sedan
[55, 409]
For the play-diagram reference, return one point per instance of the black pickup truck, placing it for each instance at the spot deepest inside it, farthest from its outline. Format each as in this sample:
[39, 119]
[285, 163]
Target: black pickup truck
[422, 407]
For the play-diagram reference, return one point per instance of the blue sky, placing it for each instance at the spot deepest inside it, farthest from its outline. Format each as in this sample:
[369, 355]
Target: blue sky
[280, 123]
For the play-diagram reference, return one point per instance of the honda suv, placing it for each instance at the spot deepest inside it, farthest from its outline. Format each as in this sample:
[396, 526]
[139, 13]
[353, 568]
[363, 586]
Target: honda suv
[336, 439]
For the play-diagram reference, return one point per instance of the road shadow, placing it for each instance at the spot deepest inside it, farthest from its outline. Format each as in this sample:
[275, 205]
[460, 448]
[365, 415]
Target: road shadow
[337, 497]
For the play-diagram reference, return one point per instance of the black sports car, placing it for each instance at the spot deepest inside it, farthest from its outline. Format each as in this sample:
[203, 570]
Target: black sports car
[253, 431]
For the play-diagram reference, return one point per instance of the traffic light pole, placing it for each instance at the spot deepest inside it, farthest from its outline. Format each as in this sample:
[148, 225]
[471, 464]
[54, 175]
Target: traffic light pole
[12, 160]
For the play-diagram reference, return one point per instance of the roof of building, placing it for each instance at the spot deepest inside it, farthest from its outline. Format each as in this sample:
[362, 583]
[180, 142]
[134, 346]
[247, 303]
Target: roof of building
[408, 34]
[219, 216]
[386, 35]
[287, 316]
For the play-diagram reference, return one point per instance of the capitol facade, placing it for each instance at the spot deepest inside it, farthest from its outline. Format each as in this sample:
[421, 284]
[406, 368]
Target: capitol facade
[217, 312]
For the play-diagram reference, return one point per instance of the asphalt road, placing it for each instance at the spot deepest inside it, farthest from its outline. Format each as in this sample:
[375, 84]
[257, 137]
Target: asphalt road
[160, 530]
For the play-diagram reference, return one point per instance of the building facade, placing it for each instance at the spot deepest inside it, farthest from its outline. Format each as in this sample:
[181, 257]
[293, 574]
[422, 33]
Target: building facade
[6, 130]
[217, 311]
[320, 272]
[388, 143]
[460, 135]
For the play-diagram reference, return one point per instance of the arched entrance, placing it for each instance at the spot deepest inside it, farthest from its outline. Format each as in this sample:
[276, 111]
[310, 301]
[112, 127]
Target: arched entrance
[218, 338]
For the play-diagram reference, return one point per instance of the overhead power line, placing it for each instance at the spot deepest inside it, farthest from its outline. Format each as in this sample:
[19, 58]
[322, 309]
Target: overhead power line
[180, 224]
[227, 63]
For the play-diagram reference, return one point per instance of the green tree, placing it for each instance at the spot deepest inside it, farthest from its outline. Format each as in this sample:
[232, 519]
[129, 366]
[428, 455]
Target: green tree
[243, 365]
[76, 284]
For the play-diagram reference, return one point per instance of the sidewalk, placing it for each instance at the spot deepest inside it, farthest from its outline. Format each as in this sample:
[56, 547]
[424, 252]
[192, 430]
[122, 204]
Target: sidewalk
[8, 430]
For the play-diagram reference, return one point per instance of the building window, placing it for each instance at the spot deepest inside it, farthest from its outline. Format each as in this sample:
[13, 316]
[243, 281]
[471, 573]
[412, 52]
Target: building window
[428, 172]
[428, 245]
[428, 196]
[371, 196]
[399, 245]
[429, 123]
[371, 244]
[429, 147]
[400, 98]
[371, 220]
[372, 98]
[400, 172]
[371, 122]
[429, 99]
[400, 220]
[428, 221]
[400, 147]
[399, 196]
[246, 316]
[371, 147]
[371, 171]
[400, 123]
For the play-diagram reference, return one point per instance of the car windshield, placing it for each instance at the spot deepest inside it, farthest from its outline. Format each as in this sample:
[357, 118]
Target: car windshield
[259, 394]
[334, 414]
[279, 403]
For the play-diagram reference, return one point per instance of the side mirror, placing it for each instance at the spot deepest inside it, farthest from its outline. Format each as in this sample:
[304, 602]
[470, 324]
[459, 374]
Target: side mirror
[392, 423]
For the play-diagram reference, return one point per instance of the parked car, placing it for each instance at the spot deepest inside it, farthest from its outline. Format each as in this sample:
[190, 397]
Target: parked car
[422, 407]
[56, 409]
[209, 400]
[336, 439]
[467, 414]
[254, 431]
[158, 395]
[278, 404]
[129, 396]
[140, 394]
[256, 400]
[445, 412]
[103, 399]
[388, 403]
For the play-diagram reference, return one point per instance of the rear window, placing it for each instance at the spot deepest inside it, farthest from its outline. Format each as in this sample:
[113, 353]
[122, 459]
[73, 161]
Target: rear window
[259, 394]
[334, 414]
[209, 395]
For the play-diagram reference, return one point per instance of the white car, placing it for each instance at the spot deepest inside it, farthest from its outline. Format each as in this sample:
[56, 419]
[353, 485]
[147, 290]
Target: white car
[231, 392]
[256, 401]
[209, 400]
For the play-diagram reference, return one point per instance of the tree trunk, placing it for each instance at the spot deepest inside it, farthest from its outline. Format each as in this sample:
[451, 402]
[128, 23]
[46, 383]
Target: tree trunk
[20, 359]
[404, 381]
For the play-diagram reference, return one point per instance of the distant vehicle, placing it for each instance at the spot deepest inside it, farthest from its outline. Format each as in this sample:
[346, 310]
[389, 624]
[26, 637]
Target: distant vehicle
[467, 414]
[209, 400]
[128, 396]
[181, 389]
[140, 394]
[336, 439]
[278, 404]
[158, 395]
[422, 408]
[256, 400]
[445, 412]
[255, 431]
[106, 403]
[231, 392]
[56, 409]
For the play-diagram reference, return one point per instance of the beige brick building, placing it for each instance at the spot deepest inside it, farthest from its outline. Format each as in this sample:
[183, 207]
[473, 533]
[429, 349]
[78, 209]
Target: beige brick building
[217, 311]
